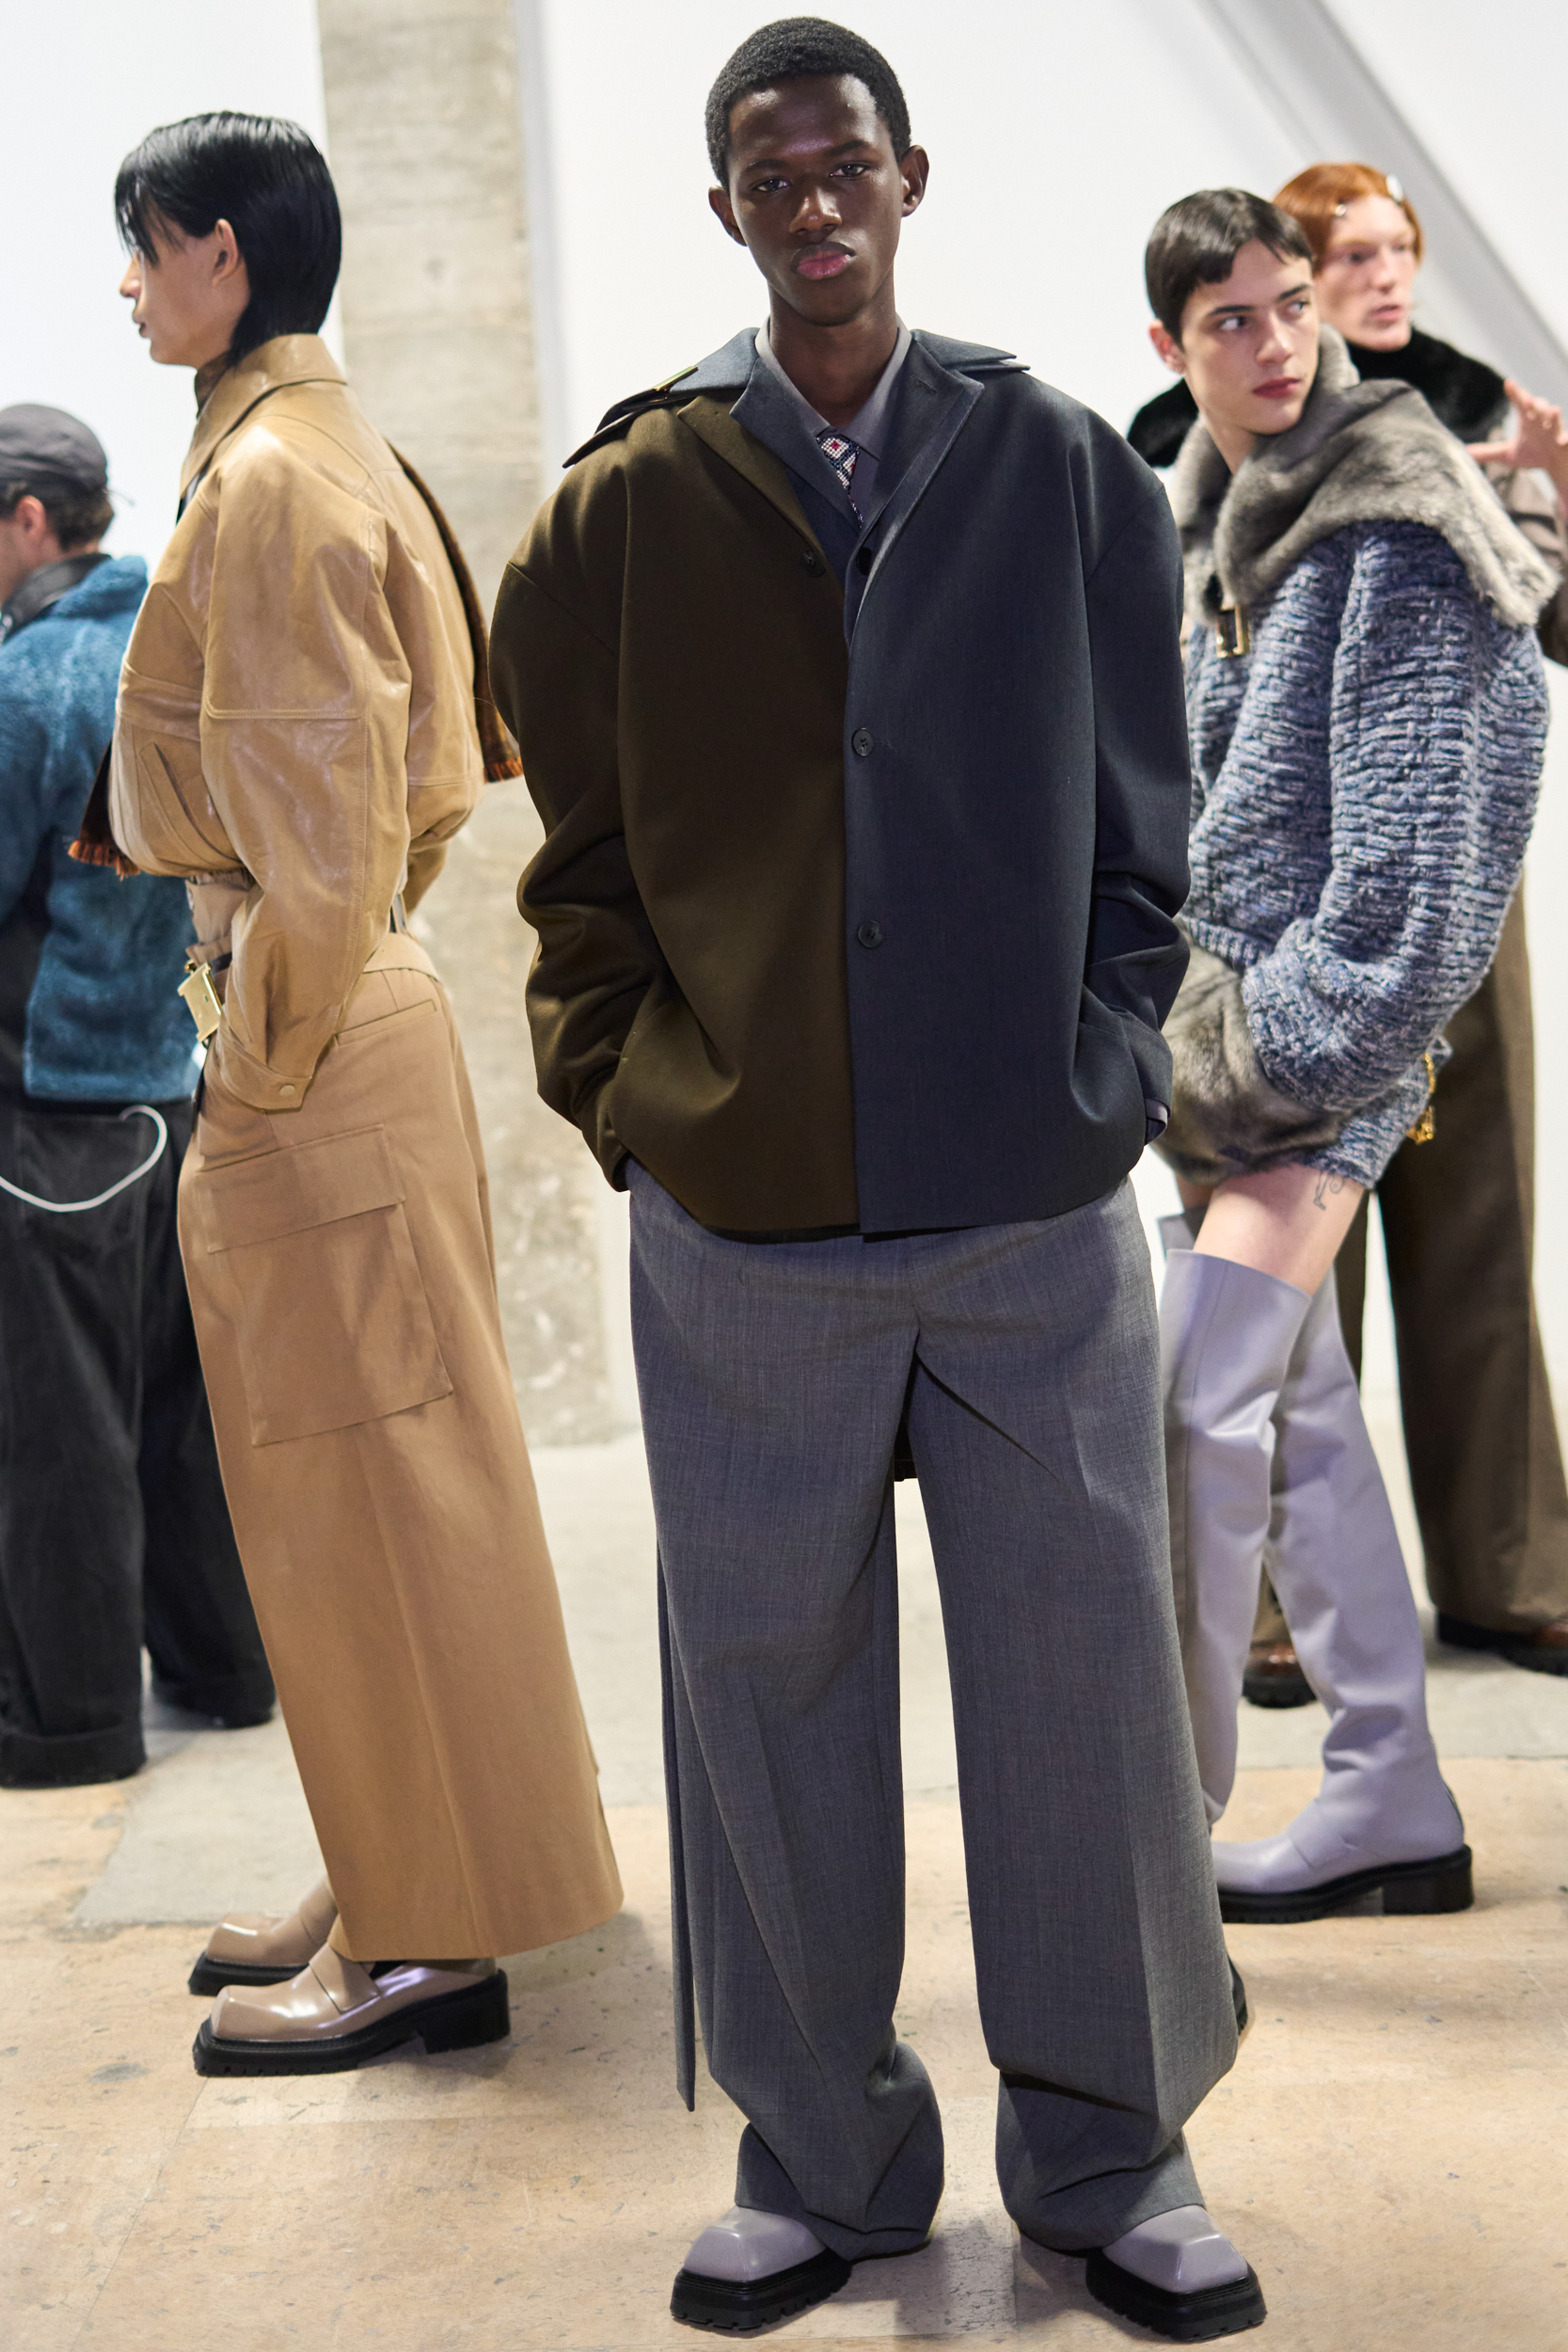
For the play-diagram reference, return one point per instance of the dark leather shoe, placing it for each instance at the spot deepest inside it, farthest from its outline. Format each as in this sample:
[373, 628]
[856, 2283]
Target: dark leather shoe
[737, 2306]
[1545, 1651]
[1195, 2318]
[1274, 1677]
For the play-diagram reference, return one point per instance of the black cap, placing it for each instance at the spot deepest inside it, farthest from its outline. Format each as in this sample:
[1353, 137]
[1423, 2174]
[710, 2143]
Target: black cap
[48, 449]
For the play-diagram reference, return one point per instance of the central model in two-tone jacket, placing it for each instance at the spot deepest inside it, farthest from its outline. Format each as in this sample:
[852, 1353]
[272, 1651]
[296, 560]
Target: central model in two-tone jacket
[855, 913]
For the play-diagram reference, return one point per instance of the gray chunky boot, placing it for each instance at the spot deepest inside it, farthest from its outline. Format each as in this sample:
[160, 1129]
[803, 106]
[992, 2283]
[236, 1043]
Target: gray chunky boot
[1383, 1819]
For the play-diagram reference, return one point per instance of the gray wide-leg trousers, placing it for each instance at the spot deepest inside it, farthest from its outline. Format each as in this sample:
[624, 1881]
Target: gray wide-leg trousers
[772, 1379]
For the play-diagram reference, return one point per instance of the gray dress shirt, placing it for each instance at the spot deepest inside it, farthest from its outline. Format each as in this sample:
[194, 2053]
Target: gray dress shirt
[867, 430]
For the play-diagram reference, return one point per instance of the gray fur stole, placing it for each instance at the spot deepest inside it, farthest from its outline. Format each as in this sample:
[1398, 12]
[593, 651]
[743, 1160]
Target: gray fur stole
[1361, 453]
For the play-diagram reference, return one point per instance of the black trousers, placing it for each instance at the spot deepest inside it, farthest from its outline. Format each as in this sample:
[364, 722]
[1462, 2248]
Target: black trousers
[113, 1524]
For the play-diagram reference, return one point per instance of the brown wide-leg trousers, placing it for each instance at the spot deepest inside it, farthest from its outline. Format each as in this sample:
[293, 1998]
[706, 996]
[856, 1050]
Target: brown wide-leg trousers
[1458, 1225]
[341, 1278]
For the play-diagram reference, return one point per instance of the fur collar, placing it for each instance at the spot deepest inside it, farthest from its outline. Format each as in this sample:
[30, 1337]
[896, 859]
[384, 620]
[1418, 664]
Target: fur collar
[1362, 452]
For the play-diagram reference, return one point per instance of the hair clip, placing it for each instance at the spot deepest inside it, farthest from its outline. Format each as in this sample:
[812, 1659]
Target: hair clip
[1395, 186]
[1338, 212]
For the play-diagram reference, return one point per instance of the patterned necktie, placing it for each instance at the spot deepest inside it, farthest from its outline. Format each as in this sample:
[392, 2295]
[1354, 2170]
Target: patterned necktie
[841, 453]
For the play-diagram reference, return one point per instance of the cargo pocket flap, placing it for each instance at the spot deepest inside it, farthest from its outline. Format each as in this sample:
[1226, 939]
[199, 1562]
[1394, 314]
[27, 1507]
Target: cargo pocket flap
[292, 1191]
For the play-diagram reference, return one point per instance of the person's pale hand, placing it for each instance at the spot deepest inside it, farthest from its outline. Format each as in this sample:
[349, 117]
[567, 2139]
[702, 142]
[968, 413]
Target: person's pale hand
[1539, 439]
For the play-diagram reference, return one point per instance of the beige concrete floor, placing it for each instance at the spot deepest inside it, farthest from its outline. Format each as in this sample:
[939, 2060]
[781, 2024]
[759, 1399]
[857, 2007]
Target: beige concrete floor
[1387, 2150]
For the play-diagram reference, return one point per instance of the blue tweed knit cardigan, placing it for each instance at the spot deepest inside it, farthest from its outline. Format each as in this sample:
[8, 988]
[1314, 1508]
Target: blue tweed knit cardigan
[1365, 778]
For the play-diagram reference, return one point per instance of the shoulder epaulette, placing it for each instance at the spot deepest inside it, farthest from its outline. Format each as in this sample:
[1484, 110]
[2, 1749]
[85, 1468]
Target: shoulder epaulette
[617, 421]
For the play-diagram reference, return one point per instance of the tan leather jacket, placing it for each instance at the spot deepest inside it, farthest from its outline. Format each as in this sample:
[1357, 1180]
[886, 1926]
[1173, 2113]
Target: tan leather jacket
[296, 731]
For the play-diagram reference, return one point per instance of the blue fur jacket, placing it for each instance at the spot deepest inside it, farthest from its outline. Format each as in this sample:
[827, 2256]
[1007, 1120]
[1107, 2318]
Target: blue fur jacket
[1365, 775]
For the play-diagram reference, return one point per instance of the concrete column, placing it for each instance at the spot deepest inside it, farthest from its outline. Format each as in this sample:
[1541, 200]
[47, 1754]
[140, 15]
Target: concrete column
[425, 135]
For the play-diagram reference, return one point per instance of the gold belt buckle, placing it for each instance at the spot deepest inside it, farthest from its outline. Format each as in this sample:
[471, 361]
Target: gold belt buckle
[201, 998]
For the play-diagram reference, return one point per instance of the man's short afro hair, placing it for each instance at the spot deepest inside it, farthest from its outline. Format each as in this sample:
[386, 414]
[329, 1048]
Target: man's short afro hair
[800, 49]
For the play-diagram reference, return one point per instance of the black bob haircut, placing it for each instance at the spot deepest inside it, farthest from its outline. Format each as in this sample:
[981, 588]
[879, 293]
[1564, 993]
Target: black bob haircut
[801, 49]
[270, 181]
[1195, 244]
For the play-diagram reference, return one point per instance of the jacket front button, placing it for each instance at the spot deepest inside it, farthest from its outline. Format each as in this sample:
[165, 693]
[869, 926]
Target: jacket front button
[870, 934]
[286, 1093]
[810, 562]
[863, 742]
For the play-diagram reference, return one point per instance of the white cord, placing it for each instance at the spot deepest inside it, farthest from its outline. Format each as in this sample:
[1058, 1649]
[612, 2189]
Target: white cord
[74, 1208]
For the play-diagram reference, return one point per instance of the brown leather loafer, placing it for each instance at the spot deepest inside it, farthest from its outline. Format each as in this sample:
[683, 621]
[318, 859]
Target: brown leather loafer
[1544, 1651]
[1274, 1677]
[261, 1947]
[334, 2014]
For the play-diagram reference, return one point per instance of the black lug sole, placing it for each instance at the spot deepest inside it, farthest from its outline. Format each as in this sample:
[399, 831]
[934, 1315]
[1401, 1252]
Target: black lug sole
[1278, 1689]
[736, 2307]
[1444, 1883]
[1238, 1997]
[1196, 2318]
[209, 1975]
[453, 2021]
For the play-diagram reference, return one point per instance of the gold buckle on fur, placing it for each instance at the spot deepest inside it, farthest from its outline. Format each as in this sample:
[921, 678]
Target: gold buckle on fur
[1231, 634]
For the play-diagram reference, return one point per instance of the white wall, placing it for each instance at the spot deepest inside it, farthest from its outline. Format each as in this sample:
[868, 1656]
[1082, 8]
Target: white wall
[85, 80]
[1489, 109]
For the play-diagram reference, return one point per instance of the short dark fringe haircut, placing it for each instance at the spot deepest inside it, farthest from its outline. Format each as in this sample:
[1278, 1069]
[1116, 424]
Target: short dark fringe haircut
[801, 49]
[270, 181]
[75, 517]
[1195, 244]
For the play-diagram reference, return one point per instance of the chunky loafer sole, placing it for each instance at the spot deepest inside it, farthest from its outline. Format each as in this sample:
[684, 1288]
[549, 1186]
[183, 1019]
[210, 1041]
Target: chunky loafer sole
[210, 1976]
[1442, 1885]
[1196, 2318]
[1537, 1658]
[735, 2306]
[453, 2021]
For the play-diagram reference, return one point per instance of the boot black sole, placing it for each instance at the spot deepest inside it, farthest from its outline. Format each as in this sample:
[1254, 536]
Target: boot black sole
[1278, 1689]
[1196, 2318]
[735, 2307]
[453, 2021]
[210, 1976]
[1458, 1634]
[1442, 1885]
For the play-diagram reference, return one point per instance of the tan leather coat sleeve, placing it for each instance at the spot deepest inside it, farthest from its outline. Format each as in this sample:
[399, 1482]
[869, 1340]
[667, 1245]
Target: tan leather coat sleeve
[304, 737]
[295, 713]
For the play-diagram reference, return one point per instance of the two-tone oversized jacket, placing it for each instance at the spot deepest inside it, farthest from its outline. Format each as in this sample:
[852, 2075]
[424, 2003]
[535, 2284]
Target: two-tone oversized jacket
[295, 730]
[854, 914]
